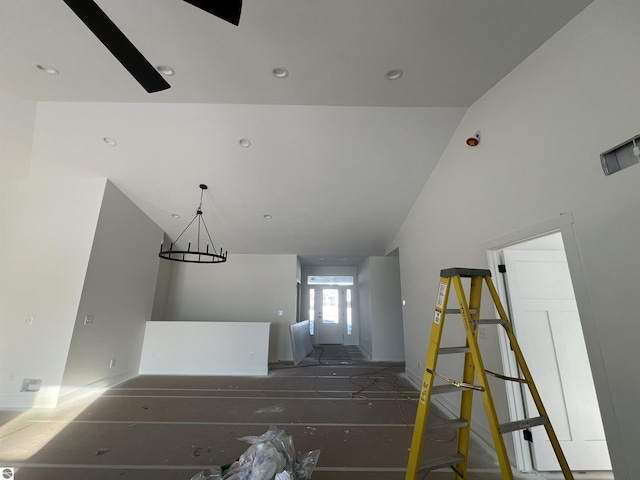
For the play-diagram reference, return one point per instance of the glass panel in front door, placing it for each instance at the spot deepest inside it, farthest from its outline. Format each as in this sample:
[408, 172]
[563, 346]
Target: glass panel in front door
[330, 305]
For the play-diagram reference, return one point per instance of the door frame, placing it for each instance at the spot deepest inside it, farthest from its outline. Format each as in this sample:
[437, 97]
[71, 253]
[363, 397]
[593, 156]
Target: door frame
[563, 224]
[319, 270]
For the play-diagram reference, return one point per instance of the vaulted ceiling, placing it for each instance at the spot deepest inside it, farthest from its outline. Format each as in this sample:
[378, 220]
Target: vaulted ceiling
[338, 152]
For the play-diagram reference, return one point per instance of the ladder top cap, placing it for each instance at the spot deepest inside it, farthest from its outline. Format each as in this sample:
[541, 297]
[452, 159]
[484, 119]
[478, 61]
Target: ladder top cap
[465, 272]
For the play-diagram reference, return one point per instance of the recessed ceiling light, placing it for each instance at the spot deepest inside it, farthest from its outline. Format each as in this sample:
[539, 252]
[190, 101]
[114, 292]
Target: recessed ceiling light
[110, 141]
[48, 69]
[175, 215]
[280, 72]
[166, 70]
[244, 142]
[267, 216]
[393, 74]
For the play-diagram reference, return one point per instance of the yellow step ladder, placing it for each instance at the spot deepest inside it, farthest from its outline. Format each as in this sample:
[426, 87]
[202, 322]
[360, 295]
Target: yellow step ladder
[473, 367]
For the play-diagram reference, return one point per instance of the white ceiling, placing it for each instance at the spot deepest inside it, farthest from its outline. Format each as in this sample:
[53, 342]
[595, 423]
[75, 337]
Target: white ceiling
[336, 157]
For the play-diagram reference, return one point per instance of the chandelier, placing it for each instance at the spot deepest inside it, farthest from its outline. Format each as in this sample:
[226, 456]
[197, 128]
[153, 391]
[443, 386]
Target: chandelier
[205, 251]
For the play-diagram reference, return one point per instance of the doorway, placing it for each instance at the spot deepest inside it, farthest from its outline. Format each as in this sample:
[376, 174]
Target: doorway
[330, 300]
[537, 290]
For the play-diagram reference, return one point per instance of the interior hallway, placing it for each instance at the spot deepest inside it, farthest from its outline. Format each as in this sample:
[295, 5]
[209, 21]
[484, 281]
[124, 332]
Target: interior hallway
[359, 414]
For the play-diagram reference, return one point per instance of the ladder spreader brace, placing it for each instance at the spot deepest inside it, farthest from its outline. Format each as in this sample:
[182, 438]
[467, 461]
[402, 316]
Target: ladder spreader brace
[473, 370]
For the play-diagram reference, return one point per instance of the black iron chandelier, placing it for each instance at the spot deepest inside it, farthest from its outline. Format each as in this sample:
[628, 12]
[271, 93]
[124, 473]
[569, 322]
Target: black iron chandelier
[208, 255]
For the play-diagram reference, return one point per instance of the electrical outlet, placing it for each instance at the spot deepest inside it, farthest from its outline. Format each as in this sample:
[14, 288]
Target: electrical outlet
[88, 319]
[28, 320]
[280, 313]
[31, 385]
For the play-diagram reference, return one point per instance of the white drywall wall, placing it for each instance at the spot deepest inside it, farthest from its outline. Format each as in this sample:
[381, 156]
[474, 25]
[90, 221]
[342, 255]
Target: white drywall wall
[47, 233]
[365, 323]
[300, 341]
[386, 310]
[542, 130]
[17, 120]
[117, 296]
[30, 284]
[162, 288]
[247, 288]
[205, 348]
[380, 311]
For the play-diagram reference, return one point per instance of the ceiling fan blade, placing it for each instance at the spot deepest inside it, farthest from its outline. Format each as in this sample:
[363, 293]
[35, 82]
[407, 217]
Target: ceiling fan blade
[228, 10]
[118, 44]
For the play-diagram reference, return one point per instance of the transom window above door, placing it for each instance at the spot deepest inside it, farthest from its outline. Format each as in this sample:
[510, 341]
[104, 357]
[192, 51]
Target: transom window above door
[330, 280]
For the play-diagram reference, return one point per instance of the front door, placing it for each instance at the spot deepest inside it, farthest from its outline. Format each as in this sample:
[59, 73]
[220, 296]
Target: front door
[330, 311]
[546, 322]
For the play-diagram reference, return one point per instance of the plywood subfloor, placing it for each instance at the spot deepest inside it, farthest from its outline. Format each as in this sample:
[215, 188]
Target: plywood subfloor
[358, 414]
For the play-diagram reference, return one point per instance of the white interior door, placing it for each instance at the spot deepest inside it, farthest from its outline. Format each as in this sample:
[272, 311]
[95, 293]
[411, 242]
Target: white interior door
[330, 308]
[547, 326]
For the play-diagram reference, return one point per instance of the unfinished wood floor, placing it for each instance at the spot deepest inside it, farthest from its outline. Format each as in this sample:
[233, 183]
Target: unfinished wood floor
[358, 414]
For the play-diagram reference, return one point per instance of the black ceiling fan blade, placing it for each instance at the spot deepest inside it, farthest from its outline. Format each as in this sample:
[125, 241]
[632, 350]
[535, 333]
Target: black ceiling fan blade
[118, 44]
[228, 10]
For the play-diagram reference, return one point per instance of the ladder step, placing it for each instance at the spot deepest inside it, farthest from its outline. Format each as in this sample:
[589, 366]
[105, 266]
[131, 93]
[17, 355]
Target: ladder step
[440, 389]
[489, 321]
[454, 424]
[441, 462]
[522, 424]
[448, 350]
[472, 311]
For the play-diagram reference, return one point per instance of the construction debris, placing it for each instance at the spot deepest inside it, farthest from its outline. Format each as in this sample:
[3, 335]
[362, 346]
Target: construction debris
[271, 456]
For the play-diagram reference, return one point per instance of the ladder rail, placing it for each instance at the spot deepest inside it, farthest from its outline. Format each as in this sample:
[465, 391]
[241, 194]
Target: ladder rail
[475, 359]
[431, 361]
[468, 312]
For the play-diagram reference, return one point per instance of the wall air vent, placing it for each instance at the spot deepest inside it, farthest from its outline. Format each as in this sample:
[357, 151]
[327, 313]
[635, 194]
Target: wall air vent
[622, 156]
